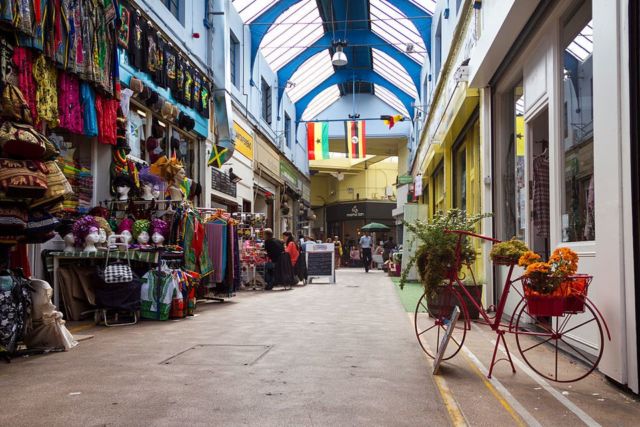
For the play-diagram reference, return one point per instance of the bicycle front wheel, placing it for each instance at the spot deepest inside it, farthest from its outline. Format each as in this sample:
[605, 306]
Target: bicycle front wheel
[564, 348]
[431, 320]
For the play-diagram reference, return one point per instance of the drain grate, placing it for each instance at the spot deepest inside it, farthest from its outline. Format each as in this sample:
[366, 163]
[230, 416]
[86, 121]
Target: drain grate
[219, 355]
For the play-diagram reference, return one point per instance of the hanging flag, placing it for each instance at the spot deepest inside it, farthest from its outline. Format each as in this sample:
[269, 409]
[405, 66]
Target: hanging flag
[224, 145]
[356, 140]
[392, 120]
[318, 140]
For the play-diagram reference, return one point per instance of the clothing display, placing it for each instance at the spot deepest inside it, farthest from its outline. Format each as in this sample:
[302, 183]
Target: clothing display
[541, 195]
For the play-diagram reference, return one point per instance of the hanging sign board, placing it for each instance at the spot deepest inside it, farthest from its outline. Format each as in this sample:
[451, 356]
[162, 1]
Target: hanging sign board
[321, 261]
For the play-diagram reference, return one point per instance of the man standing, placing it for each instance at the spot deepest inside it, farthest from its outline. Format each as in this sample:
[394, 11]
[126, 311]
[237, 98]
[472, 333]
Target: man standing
[388, 246]
[365, 248]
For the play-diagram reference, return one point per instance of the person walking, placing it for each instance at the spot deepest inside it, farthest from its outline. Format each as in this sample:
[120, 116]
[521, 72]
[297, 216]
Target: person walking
[365, 247]
[388, 246]
[274, 249]
[338, 251]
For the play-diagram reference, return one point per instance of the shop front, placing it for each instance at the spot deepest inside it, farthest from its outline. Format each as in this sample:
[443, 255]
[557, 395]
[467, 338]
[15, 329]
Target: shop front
[290, 197]
[346, 219]
[267, 183]
[555, 121]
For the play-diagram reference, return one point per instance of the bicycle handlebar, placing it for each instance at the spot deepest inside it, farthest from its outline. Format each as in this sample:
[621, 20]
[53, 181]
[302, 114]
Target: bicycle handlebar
[469, 233]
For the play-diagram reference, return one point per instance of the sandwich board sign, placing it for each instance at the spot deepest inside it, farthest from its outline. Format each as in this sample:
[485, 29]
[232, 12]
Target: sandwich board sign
[320, 261]
[455, 314]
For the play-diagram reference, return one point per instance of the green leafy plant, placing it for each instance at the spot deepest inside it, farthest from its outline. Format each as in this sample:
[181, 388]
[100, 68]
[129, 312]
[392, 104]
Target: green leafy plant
[436, 255]
[508, 252]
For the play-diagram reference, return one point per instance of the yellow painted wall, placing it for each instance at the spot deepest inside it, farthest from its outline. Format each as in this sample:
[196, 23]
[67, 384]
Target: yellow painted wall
[369, 184]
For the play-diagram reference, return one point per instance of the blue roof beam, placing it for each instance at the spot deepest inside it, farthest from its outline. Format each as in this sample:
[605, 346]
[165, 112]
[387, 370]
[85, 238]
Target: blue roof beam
[366, 38]
[346, 76]
[261, 25]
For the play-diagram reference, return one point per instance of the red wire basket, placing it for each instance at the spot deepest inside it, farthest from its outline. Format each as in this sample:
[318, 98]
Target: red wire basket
[568, 298]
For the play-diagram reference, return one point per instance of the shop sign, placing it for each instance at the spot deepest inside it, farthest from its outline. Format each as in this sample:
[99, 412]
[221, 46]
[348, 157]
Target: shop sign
[243, 141]
[405, 179]
[417, 185]
[221, 182]
[267, 157]
[355, 212]
[288, 174]
[306, 193]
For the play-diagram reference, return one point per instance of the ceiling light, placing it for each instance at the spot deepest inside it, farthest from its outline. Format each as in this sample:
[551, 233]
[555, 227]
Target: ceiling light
[339, 58]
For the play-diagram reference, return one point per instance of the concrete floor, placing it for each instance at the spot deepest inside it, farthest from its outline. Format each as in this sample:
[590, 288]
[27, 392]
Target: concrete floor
[323, 355]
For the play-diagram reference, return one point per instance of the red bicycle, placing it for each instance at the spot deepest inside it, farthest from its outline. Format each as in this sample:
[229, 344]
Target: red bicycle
[560, 330]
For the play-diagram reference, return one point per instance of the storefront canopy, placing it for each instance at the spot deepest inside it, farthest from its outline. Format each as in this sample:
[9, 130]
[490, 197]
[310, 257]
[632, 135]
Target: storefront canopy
[387, 43]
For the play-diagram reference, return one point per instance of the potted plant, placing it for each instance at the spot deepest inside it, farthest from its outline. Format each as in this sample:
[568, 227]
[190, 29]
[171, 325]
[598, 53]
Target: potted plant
[508, 252]
[435, 257]
[553, 288]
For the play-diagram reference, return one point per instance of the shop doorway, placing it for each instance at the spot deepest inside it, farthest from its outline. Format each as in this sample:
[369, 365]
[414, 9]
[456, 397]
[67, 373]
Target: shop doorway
[538, 167]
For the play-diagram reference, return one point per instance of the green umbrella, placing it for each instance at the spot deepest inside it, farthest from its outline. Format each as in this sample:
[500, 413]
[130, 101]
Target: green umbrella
[375, 226]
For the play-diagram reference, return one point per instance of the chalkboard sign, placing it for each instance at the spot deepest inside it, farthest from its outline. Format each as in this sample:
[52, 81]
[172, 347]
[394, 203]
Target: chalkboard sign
[320, 261]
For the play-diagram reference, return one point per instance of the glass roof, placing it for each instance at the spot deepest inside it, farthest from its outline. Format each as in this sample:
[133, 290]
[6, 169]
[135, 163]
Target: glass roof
[391, 70]
[310, 74]
[299, 27]
[388, 97]
[249, 10]
[321, 102]
[581, 47]
[428, 5]
[392, 25]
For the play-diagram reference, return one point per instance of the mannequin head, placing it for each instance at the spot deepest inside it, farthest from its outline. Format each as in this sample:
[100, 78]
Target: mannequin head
[104, 231]
[69, 242]
[83, 227]
[92, 238]
[159, 231]
[124, 229]
[122, 185]
[150, 184]
[141, 231]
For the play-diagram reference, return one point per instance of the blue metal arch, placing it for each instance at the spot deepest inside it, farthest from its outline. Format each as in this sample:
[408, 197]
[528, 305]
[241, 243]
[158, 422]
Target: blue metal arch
[270, 15]
[344, 76]
[356, 37]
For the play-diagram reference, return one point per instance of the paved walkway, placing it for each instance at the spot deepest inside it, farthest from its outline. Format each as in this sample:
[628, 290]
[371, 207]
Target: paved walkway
[323, 355]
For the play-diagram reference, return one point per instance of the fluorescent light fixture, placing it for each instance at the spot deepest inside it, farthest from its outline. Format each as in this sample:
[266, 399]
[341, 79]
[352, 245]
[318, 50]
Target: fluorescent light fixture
[141, 113]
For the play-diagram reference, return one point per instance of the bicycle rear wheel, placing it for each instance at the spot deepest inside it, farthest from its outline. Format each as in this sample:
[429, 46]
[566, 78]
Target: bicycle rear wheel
[560, 348]
[431, 318]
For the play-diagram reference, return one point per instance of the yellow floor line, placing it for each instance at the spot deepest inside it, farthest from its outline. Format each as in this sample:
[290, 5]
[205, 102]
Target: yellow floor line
[495, 392]
[450, 403]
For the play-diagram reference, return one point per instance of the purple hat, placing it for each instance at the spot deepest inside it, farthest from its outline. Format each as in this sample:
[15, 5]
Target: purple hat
[146, 176]
[82, 228]
[160, 226]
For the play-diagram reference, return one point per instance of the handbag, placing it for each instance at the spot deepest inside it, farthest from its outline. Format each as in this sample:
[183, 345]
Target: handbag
[23, 178]
[14, 105]
[117, 272]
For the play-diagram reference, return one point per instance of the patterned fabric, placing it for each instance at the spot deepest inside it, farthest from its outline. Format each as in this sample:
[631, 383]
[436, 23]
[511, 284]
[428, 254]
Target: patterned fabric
[90, 116]
[46, 92]
[541, 195]
[15, 310]
[23, 60]
[70, 110]
[156, 295]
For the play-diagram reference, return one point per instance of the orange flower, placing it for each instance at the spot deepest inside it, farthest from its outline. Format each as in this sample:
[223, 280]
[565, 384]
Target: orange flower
[564, 261]
[528, 258]
[538, 268]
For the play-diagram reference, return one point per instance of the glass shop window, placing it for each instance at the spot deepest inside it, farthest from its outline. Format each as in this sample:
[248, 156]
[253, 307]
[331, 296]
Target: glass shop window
[438, 189]
[460, 176]
[184, 147]
[578, 199]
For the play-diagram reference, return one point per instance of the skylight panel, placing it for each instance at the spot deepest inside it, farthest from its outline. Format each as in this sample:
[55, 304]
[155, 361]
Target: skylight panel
[392, 25]
[310, 74]
[249, 10]
[390, 99]
[321, 102]
[293, 31]
[428, 5]
[391, 70]
[582, 45]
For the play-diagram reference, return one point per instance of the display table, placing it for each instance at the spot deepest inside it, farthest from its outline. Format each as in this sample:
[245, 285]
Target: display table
[53, 262]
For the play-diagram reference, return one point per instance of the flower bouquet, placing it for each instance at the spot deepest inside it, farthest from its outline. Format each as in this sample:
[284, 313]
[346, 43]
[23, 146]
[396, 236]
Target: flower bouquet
[553, 288]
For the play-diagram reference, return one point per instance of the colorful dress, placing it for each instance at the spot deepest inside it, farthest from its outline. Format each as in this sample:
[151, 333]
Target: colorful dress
[46, 77]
